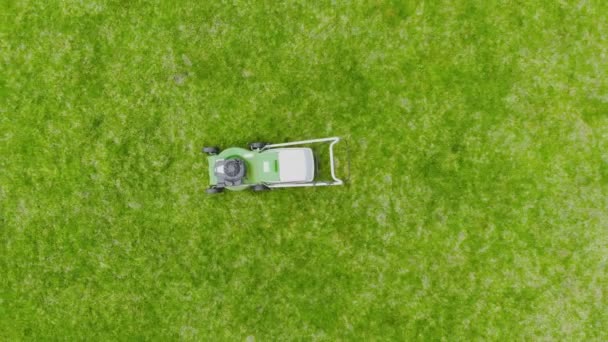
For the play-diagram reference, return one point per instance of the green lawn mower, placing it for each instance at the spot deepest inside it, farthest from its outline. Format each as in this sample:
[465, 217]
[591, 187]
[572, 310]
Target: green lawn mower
[266, 166]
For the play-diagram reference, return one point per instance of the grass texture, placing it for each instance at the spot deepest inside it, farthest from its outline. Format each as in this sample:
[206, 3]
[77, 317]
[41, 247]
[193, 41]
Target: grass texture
[477, 206]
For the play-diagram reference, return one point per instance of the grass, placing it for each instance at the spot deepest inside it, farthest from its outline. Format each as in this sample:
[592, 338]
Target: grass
[476, 207]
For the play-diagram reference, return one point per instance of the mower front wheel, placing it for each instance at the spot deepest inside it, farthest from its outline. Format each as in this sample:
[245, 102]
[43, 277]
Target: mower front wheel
[214, 190]
[211, 150]
[260, 188]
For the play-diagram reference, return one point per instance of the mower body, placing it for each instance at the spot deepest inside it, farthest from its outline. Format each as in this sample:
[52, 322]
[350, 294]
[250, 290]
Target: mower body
[269, 167]
[265, 166]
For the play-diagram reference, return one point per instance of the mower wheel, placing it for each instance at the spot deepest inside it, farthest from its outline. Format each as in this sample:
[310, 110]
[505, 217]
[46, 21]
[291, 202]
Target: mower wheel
[260, 188]
[214, 190]
[210, 150]
[257, 145]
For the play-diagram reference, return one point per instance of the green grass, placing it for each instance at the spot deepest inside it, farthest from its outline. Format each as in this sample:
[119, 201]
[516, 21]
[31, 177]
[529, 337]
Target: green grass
[477, 207]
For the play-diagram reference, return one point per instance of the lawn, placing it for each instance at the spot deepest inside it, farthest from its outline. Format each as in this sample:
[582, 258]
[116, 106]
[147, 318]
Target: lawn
[476, 207]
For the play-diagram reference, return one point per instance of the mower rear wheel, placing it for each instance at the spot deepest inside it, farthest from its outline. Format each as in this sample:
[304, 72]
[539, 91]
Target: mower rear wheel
[257, 145]
[260, 188]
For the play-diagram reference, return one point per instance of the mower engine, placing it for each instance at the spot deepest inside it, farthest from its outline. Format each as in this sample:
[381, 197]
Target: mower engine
[230, 172]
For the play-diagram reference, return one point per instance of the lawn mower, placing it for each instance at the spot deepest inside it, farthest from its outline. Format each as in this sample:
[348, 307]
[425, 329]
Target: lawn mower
[266, 166]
